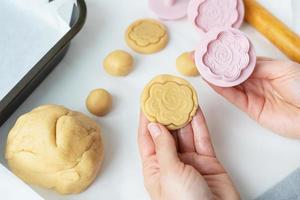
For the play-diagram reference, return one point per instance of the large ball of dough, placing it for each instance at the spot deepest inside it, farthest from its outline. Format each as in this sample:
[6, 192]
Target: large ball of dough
[118, 63]
[99, 102]
[54, 147]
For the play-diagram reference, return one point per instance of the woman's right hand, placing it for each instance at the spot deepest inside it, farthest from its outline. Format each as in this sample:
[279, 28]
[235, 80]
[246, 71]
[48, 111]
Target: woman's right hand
[271, 96]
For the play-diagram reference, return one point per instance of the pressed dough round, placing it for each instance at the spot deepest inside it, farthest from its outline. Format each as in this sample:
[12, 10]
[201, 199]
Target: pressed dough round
[118, 63]
[147, 36]
[185, 64]
[99, 102]
[54, 147]
[169, 100]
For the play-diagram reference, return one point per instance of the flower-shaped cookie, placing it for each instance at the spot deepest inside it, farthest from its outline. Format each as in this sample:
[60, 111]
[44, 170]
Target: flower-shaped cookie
[225, 57]
[143, 37]
[209, 14]
[146, 36]
[170, 101]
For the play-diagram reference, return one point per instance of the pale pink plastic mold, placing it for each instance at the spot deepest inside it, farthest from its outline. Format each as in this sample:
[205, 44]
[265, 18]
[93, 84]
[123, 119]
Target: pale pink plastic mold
[206, 15]
[169, 9]
[225, 57]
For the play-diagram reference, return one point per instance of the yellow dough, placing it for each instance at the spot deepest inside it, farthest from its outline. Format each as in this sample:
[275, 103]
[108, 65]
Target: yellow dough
[147, 36]
[54, 147]
[169, 100]
[185, 64]
[118, 63]
[99, 102]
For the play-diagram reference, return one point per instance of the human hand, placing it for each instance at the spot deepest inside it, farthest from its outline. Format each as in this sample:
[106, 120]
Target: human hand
[183, 166]
[271, 96]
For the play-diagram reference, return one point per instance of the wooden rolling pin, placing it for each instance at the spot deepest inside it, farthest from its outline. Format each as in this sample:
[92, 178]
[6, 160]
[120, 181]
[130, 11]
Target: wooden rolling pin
[275, 30]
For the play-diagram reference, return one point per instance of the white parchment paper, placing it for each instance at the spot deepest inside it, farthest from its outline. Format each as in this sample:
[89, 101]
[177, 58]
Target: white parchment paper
[9, 184]
[28, 30]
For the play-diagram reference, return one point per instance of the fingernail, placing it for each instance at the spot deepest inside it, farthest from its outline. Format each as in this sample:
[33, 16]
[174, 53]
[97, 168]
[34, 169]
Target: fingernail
[154, 130]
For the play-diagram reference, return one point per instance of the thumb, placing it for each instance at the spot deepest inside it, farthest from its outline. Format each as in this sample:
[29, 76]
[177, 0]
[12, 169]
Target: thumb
[165, 146]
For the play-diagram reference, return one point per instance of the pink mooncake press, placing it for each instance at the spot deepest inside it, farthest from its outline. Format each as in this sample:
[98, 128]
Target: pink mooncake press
[169, 9]
[206, 15]
[225, 57]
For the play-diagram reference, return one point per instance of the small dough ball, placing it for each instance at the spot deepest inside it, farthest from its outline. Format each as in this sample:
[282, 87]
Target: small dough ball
[147, 36]
[185, 64]
[118, 63]
[99, 102]
[54, 147]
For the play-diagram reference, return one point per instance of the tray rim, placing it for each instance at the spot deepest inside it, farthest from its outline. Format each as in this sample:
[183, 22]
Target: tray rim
[19, 93]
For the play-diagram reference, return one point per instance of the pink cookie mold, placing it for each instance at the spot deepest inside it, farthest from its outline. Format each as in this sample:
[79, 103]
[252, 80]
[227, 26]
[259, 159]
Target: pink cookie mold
[206, 15]
[225, 57]
[169, 9]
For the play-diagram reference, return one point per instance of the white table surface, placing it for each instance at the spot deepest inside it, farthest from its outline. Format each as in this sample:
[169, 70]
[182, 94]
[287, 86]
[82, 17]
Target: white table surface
[255, 158]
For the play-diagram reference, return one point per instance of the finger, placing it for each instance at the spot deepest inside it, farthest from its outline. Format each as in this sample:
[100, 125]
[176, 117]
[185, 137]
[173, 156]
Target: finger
[202, 139]
[266, 69]
[175, 136]
[287, 73]
[186, 139]
[166, 151]
[203, 164]
[146, 144]
[234, 95]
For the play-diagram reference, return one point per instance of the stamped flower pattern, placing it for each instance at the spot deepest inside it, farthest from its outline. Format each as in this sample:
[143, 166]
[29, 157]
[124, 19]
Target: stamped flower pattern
[227, 56]
[216, 13]
[170, 103]
[141, 35]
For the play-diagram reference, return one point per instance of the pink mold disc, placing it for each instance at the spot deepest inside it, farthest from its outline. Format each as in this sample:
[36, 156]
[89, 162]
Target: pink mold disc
[206, 15]
[169, 9]
[225, 57]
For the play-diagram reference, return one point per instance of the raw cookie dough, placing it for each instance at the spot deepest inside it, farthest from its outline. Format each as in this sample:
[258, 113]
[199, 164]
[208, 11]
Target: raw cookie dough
[54, 147]
[99, 102]
[169, 100]
[147, 36]
[118, 63]
[185, 64]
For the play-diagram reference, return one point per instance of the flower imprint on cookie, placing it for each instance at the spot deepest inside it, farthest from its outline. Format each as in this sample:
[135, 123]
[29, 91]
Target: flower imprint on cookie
[147, 33]
[227, 56]
[170, 103]
[217, 13]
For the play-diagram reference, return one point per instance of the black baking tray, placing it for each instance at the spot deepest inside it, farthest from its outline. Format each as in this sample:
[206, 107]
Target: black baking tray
[46, 64]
